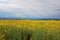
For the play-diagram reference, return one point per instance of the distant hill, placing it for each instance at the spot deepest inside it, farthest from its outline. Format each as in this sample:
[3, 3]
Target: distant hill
[19, 18]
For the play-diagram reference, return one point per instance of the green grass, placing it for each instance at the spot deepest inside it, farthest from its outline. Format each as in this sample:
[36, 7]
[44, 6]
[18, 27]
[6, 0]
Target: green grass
[14, 33]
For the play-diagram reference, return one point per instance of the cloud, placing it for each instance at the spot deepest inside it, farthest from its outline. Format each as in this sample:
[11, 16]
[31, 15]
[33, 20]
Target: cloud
[31, 8]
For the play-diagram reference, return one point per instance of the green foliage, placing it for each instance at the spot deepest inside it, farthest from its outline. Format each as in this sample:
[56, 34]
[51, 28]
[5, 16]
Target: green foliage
[9, 32]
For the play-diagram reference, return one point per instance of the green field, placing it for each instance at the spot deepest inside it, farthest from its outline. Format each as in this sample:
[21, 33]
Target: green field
[29, 29]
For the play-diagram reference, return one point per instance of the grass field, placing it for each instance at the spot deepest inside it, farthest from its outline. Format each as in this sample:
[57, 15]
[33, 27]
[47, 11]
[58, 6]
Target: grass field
[30, 29]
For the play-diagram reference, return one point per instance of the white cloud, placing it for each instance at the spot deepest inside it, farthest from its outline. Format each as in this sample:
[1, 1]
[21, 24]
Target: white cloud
[34, 8]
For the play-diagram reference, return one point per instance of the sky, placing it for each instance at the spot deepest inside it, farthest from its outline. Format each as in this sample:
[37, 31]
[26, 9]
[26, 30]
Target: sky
[30, 8]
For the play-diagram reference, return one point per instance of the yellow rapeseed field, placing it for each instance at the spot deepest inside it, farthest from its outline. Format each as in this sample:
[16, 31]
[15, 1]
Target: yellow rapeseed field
[41, 29]
[32, 23]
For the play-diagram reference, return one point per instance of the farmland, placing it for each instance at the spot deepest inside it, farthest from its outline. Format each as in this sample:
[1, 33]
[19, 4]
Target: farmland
[30, 29]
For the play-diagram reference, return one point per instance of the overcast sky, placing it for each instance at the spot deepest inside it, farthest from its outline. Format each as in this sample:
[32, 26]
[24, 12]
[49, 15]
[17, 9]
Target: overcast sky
[30, 8]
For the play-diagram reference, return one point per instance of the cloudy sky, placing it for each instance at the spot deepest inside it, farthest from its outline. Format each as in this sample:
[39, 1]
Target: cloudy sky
[30, 8]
